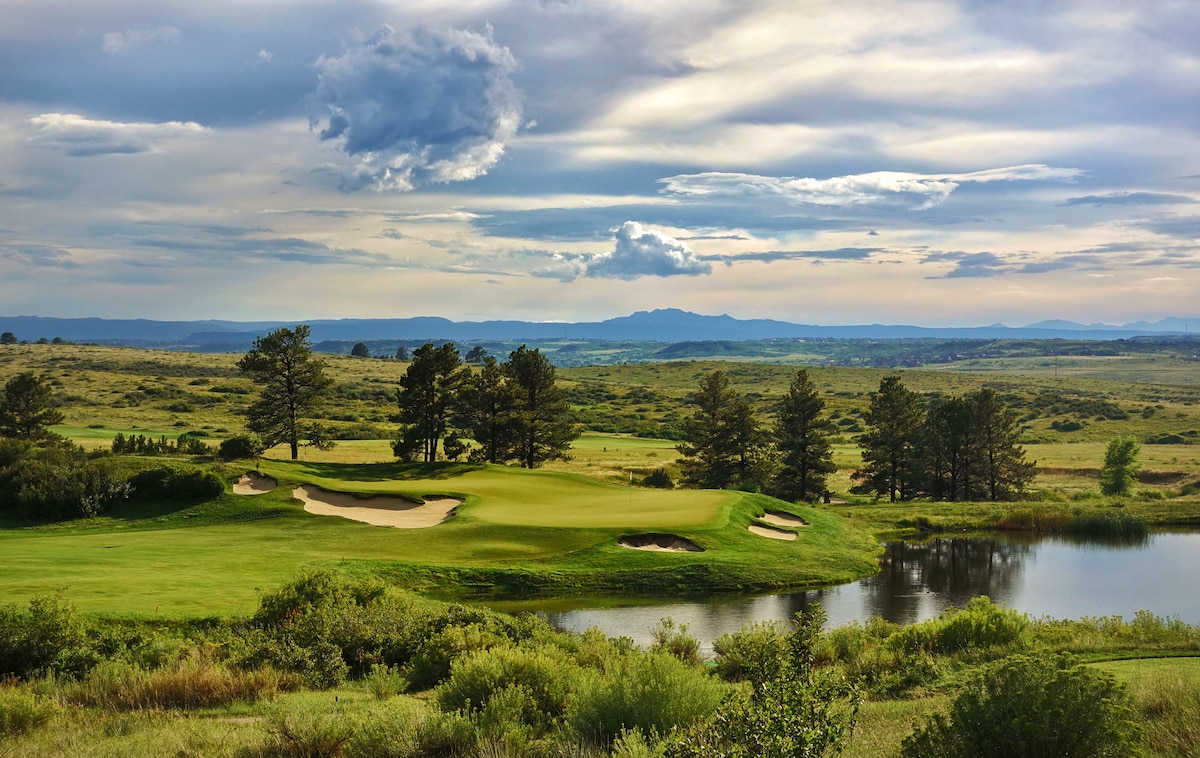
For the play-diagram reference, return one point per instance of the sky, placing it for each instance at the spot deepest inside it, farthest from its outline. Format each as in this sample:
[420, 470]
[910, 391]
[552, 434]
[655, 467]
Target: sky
[933, 163]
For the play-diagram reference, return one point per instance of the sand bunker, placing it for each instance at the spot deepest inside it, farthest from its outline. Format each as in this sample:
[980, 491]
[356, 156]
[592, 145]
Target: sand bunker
[771, 532]
[378, 511]
[254, 483]
[779, 518]
[660, 543]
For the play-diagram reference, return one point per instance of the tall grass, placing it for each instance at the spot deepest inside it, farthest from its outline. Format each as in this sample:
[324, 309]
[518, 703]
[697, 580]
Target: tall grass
[191, 683]
[22, 711]
[1168, 705]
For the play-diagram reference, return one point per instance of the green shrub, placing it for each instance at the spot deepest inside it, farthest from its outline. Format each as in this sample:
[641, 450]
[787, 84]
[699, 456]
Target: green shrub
[654, 692]
[1031, 706]
[47, 638]
[308, 730]
[740, 653]
[167, 483]
[385, 681]
[22, 711]
[241, 446]
[388, 730]
[673, 639]
[792, 709]
[659, 478]
[982, 627]
[476, 678]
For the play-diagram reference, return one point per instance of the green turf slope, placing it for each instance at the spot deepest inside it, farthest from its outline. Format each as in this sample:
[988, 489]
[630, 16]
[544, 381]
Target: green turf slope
[517, 533]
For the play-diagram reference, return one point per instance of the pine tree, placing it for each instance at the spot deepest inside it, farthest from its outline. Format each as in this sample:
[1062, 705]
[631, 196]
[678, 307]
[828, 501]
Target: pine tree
[427, 397]
[543, 430]
[724, 446]
[293, 385]
[27, 407]
[891, 446]
[802, 438]
[489, 413]
[1003, 471]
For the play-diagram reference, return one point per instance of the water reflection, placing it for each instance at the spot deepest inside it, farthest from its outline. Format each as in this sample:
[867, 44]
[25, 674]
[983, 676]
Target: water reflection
[1065, 578]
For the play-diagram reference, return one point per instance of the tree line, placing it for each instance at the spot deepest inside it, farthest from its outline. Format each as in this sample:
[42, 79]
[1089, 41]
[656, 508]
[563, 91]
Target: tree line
[514, 411]
[957, 448]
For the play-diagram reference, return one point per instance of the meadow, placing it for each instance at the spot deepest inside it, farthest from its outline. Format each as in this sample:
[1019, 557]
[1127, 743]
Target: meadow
[169, 586]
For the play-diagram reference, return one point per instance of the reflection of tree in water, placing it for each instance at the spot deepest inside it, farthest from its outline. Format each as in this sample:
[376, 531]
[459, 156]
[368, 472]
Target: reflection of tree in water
[919, 579]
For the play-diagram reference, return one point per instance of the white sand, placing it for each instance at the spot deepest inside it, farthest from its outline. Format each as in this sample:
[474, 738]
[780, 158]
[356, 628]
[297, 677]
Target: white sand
[771, 532]
[378, 511]
[660, 543]
[254, 483]
[779, 518]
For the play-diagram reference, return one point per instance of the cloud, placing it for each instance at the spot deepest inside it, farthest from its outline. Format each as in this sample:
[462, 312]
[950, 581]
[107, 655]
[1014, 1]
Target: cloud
[770, 256]
[646, 252]
[969, 265]
[126, 41]
[419, 107]
[880, 188]
[81, 137]
[1129, 198]
[41, 256]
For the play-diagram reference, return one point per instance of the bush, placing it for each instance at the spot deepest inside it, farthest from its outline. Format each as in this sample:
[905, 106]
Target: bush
[49, 638]
[1031, 706]
[241, 446]
[175, 483]
[659, 478]
[674, 640]
[792, 710]
[982, 627]
[544, 678]
[22, 711]
[308, 731]
[747, 650]
[653, 692]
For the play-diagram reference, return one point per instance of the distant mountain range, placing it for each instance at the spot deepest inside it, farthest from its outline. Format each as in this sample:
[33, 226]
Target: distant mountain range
[665, 325]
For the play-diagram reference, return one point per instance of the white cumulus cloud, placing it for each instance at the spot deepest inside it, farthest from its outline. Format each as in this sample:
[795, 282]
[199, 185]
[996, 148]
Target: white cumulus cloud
[80, 137]
[646, 252]
[419, 107]
[880, 188]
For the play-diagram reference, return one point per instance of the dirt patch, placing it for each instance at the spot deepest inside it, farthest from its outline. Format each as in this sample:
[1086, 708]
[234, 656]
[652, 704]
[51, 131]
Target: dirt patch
[779, 518]
[771, 532]
[254, 483]
[660, 543]
[378, 511]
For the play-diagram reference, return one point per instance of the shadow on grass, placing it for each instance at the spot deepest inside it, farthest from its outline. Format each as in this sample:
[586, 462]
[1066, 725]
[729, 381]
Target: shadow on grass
[387, 472]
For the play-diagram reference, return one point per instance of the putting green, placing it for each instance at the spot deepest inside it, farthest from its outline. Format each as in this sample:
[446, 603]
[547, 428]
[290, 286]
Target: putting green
[517, 497]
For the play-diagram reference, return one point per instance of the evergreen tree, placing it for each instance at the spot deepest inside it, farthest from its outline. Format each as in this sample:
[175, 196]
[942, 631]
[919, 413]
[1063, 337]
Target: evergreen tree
[725, 446]
[949, 449]
[293, 383]
[27, 408]
[360, 350]
[543, 430]
[488, 412]
[427, 397]
[891, 446]
[1003, 470]
[802, 438]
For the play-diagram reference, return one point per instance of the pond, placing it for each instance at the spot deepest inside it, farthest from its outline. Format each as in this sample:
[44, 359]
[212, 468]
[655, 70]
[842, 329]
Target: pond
[1063, 577]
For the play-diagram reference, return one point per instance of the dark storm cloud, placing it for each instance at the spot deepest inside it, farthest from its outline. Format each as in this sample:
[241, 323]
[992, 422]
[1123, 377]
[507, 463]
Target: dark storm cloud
[419, 107]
